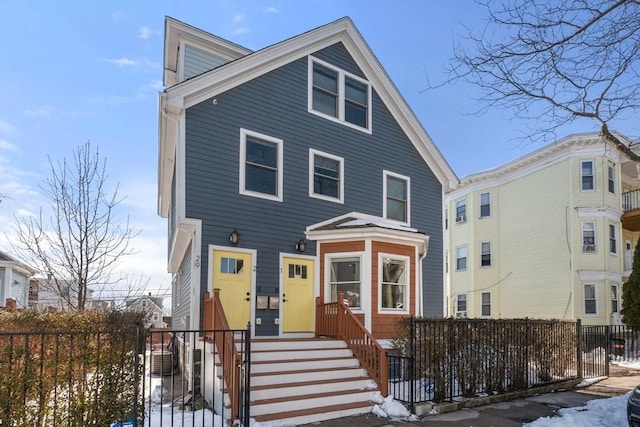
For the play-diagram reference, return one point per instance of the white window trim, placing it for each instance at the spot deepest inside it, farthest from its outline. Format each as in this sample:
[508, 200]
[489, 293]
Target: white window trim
[464, 218]
[341, 94]
[611, 167]
[593, 175]
[617, 286]
[490, 254]
[466, 303]
[584, 300]
[385, 174]
[486, 316]
[243, 157]
[617, 239]
[595, 237]
[406, 260]
[328, 257]
[466, 258]
[312, 154]
[480, 205]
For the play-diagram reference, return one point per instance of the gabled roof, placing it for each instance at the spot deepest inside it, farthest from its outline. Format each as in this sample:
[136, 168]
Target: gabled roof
[8, 261]
[245, 68]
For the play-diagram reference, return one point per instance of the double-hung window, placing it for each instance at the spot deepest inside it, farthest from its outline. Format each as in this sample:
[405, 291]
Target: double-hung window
[486, 304]
[339, 95]
[344, 276]
[260, 165]
[461, 211]
[590, 301]
[613, 241]
[461, 258]
[611, 178]
[588, 237]
[587, 175]
[485, 254]
[614, 299]
[461, 304]
[485, 205]
[326, 174]
[393, 283]
[396, 197]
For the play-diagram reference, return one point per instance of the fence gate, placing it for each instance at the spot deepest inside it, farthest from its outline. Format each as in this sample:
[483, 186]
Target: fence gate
[595, 350]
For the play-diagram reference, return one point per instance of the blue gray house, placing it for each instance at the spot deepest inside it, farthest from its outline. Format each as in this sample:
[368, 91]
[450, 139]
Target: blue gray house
[294, 172]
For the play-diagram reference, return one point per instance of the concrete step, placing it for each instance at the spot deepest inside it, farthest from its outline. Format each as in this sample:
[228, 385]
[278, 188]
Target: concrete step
[313, 415]
[309, 387]
[303, 364]
[308, 401]
[293, 377]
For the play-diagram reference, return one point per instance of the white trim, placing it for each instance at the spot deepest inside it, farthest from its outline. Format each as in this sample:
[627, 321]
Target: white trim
[253, 267]
[243, 156]
[312, 153]
[316, 287]
[385, 175]
[466, 266]
[595, 236]
[599, 276]
[407, 284]
[584, 300]
[604, 212]
[341, 94]
[593, 175]
[327, 274]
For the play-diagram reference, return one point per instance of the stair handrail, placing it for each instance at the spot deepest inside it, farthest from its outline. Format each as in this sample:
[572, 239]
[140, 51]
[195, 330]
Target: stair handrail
[230, 358]
[336, 320]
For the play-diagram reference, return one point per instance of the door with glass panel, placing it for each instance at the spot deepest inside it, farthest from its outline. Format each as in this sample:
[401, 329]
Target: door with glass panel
[297, 295]
[232, 275]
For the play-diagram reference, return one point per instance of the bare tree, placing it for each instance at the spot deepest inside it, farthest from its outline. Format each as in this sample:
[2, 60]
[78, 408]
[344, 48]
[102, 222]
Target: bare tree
[557, 61]
[79, 247]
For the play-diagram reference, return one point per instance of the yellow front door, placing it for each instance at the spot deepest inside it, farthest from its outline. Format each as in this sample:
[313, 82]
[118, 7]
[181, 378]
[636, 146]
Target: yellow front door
[297, 295]
[232, 275]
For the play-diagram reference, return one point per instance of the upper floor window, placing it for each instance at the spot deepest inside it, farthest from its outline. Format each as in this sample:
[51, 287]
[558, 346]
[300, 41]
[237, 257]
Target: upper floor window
[613, 241]
[590, 302]
[339, 95]
[611, 175]
[396, 197]
[260, 165]
[461, 305]
[588, 237]
[461, 258]
[486, 304]
[485, 205]
[587, 175]
[393, 286]
[485, 254]
[326, 174]
[461, 210]
[614, 299]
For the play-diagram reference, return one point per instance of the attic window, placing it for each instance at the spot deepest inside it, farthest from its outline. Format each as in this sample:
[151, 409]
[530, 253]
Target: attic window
[338, 95]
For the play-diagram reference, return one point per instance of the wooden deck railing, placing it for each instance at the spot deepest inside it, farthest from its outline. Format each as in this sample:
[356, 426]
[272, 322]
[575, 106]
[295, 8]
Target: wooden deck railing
[336, 320]
[230, 358]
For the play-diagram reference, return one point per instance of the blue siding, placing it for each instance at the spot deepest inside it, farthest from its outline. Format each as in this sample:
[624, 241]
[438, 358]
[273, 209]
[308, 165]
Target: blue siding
[198, 61]
[275, 104]
[180, 294]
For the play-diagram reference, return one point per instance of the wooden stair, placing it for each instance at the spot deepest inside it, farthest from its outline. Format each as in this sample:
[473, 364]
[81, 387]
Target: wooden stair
[299, 381]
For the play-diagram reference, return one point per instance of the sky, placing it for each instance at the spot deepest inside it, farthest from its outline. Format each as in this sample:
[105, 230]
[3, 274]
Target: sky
[74, 71]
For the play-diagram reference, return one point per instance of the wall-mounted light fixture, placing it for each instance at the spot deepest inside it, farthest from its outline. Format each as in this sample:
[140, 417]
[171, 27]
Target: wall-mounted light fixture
[234, 237]
[301, 245]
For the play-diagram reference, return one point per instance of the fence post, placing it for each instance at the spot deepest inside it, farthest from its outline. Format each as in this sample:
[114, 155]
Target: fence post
[607, 349]
[247, 377]
[579, 347]
[340, 316]
[412, 362]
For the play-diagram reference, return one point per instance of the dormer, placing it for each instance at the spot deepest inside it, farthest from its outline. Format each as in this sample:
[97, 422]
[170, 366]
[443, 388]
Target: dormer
[189, 51]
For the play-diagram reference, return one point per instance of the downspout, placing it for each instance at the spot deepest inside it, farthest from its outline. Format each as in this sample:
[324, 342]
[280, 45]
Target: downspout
[422, 255]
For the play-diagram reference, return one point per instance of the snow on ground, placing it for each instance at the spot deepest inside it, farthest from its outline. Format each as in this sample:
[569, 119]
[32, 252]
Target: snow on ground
[596, 413]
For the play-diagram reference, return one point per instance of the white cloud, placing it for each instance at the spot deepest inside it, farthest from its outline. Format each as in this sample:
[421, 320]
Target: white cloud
[48, 111]
[122, 62]
[241, 30]
[271, 9]
[238, 18]
[145, 33]
[6, 145]
[6, 127]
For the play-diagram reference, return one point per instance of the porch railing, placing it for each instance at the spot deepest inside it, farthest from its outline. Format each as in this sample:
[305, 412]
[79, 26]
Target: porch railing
[336, 320]
[230, 357]
[630, 200]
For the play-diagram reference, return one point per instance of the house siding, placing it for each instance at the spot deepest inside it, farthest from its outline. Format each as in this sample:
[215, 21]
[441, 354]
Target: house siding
[181, 305]
[275, 104]
[198, 61]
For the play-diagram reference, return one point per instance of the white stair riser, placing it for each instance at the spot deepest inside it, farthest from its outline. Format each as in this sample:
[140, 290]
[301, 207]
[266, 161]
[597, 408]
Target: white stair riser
[294, 345]
[316, 402]
[323, 416]
[274, 393]
[298, 355]
[302, 365]
[258, 380]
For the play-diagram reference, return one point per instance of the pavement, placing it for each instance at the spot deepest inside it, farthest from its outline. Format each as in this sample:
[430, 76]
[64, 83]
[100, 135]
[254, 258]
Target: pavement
[508, 413]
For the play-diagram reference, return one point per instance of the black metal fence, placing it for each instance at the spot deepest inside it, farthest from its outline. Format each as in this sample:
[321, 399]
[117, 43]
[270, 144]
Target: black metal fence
[442, 359]
[158, 378]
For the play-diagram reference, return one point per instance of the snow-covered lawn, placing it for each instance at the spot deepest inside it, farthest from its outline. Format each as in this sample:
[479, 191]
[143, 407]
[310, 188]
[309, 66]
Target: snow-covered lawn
[596, 413]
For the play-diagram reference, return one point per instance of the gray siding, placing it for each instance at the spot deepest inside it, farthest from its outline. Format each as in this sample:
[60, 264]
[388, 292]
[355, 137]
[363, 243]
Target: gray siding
[198, 61]
[173, 214]
[182, 286]
[275, 104]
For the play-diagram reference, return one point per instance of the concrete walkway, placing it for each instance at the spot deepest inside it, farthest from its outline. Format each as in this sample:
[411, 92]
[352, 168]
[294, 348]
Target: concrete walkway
[507, 413]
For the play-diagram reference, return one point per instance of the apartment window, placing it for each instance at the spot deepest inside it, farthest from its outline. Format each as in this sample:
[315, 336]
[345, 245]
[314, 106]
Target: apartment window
[614, 299]
[461, 303]
[326, 176]
[461, 211]
[485, 254]
[393, 286]
[611, 175]
[590, 299]
[338, 95]
[587, 175]
[485, 205]
[156, 317]
[144, 303]
[613, 244]
[461, 258]
[588, 237]
[486, 304]
[345, 278]
[396, 197]
[260, 165]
